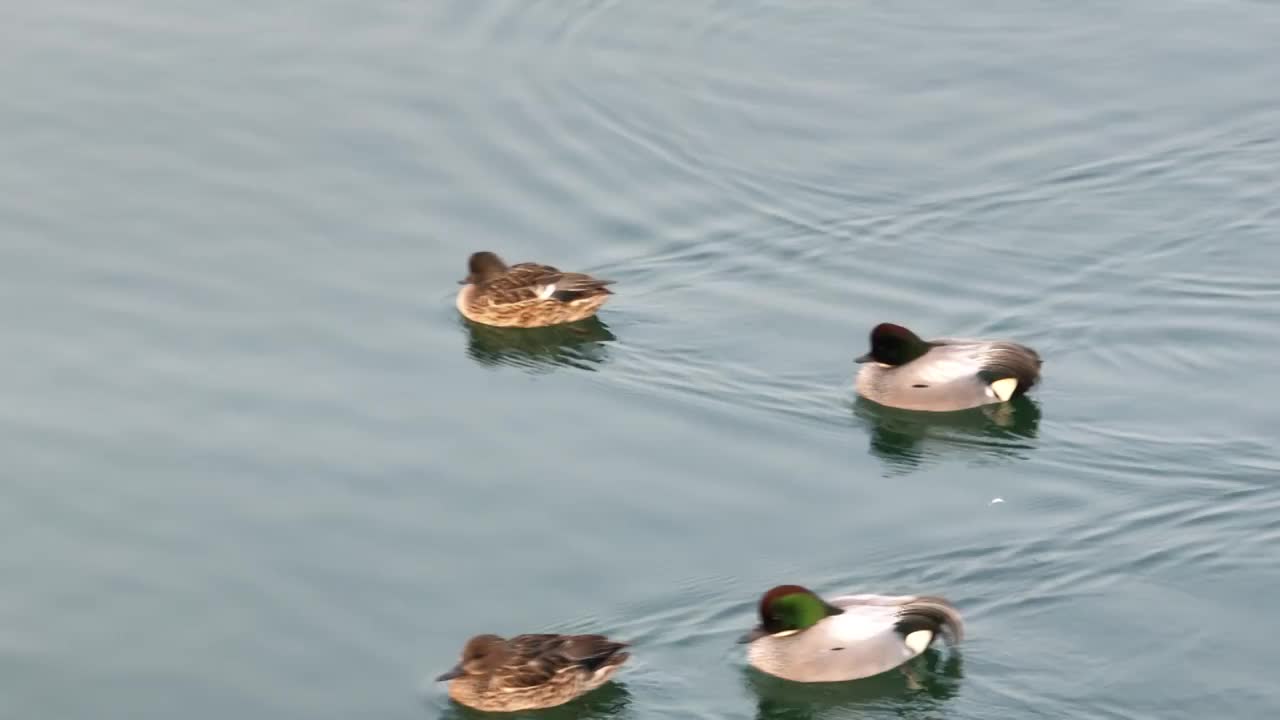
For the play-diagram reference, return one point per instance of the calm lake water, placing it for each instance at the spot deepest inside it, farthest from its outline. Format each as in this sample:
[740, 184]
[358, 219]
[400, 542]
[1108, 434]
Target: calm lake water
[256, 467]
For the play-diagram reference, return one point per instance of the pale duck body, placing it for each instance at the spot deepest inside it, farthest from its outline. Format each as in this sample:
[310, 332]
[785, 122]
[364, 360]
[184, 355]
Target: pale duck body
[943, 375]
[873, 634]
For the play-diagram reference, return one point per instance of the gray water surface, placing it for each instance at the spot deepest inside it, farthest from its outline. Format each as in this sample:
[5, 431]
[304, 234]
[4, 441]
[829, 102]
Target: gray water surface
[255, 466]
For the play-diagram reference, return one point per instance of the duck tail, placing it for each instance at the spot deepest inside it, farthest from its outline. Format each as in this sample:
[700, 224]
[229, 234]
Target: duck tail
[933, 614]
[1007, 360]
[574, 286]
[596, 652]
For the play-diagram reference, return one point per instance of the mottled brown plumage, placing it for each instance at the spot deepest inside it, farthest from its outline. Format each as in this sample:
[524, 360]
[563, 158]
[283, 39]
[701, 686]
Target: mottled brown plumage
[529, 672]
[527, 294]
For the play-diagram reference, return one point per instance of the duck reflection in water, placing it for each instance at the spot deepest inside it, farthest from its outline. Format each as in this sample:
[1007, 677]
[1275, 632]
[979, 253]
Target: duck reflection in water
[906, 439]
[915, 690]
[609, 702]
[580, 345]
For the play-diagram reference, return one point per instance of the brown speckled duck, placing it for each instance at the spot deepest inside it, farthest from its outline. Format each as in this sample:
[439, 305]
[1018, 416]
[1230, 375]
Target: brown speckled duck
[529, 672]
[527, 294]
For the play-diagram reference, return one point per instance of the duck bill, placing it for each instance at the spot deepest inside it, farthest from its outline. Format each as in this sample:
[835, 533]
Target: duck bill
[454, 672]
[863, 358]
[752, 635]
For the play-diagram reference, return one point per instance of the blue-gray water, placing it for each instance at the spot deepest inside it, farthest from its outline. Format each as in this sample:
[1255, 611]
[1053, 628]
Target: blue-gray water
[256, 467]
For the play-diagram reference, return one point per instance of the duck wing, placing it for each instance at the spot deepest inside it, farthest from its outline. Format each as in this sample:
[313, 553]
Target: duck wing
[537, 659]
[904, 614]
[1001, 360]
[531, 281]
[877, 633]
[956, 359]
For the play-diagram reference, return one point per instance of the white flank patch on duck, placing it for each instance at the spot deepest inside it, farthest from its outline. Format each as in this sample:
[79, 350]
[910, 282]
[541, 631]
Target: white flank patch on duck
[1004, 387]
[546, 291]
[918, 641]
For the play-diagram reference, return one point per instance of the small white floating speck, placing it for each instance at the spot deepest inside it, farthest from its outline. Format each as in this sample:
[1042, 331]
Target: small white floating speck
[996, 500]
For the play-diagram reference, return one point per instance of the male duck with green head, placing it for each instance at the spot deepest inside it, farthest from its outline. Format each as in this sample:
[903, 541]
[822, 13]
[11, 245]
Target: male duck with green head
[804, 638]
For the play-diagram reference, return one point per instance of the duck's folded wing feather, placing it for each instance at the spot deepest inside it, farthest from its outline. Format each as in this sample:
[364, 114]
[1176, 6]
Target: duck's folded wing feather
[531, 281]
[1004, 359]
[532, 660]
[944, 364]
[958, 359]
[903, 613]
[871, 611]
[537, 659]
[579, 284]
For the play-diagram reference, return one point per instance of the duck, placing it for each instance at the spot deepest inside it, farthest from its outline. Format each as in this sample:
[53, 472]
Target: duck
[803, 638]
[526, 295]
[903, 371]
[531, 672]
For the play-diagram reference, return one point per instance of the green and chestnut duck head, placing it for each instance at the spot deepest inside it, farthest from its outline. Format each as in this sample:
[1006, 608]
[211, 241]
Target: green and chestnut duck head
[787, 610]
